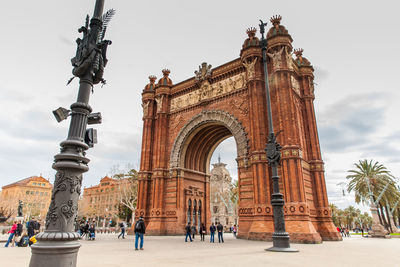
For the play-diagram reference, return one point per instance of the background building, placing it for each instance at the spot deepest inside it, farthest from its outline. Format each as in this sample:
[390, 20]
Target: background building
[35, 194]
[101, 202]
[221, 206]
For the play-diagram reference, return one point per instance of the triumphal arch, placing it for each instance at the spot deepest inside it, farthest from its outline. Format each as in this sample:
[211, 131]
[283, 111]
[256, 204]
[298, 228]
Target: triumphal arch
[183, 123]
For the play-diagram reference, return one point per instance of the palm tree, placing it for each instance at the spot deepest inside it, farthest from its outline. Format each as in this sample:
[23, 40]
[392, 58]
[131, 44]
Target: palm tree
[375, 177]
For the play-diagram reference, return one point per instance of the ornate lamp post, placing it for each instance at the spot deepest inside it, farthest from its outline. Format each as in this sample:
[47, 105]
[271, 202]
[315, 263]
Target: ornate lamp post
[280, 237]
[58, 245]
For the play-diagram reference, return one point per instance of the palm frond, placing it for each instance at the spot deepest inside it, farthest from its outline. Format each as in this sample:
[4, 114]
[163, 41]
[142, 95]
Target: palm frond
[106, 18]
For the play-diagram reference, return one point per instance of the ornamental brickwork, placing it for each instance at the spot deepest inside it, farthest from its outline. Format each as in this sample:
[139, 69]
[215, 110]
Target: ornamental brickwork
[185, 122]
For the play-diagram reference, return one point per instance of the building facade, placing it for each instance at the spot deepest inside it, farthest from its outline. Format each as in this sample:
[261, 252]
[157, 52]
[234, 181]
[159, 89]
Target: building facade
[184, 122]
[101, 202]
[35, 194]
[221, 207]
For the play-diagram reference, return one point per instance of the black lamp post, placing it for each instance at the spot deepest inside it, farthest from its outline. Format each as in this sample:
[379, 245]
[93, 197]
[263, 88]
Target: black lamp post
[58, 245]
[280, 237]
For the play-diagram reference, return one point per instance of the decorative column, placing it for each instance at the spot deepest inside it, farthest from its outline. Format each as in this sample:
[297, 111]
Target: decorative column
[145, 173]
[254, 223]
[160, 157]
[323, 222]
[58, 245]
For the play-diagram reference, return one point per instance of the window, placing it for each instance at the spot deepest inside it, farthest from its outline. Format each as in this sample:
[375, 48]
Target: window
[37, 193]
[43, 184]
[43, 206]
[27, 192]
[32, 192]
[46, 193]
[34, 183]
[41, 193]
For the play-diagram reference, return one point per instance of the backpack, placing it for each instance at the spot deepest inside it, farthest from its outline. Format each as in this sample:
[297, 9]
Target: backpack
[36, 226]
[138, 226]
[121, 225]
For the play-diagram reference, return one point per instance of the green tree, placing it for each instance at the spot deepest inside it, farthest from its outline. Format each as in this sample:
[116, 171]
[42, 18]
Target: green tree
[373, 176]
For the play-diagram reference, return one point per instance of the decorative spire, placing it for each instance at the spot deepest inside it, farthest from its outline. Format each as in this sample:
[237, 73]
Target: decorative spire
[276, 20]
[166, 72]
[251, 32]
[298, 52]
[152, 79]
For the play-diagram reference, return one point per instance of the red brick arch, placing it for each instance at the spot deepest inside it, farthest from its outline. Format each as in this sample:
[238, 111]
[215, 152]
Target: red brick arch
[184, 122]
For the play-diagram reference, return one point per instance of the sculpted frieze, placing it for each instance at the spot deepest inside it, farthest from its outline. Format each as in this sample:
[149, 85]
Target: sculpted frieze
[295, 85]
[209, 91]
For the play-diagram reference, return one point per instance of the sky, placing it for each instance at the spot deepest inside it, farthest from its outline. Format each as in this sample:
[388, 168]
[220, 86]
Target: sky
[353, 46]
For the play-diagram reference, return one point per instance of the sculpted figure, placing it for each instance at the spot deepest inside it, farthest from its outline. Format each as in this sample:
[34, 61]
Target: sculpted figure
[159, 101]
[276, 58]
[288, 58]
[220, 88]
[145, 106]
[250, 68]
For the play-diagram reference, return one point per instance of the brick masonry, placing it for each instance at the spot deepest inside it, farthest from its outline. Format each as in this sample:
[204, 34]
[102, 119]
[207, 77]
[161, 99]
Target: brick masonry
[184, 123]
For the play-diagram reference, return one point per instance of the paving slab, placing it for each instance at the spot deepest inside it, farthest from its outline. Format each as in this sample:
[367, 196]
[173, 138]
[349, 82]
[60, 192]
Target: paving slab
[109, 251]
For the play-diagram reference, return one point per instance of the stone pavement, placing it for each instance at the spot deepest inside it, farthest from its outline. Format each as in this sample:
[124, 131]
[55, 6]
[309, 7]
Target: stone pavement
[109, 251]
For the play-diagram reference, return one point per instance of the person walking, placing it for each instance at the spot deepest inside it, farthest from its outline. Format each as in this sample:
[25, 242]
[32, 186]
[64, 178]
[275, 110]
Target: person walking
[188, 232]
[12, 234]
[122, 226]
[140, 230]
[31, 226]
[193, 231]
[202, 231]
[220, 230]
[212, 232]
[234, 230]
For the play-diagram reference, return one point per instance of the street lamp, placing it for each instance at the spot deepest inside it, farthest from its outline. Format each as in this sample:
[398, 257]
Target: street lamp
[280, 238]
[58, 245]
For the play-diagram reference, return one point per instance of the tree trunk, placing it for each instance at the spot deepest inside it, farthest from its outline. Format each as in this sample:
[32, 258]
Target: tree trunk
[379, 214]
[389, 219]
[383, 217]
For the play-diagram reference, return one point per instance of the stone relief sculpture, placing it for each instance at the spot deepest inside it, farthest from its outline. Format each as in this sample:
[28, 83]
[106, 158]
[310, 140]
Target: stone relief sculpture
[145, 107]
[204, 72]
[288, 58]
[276, 58]
[207, 91]
[250, 68]
[159, 101]
[295, 85]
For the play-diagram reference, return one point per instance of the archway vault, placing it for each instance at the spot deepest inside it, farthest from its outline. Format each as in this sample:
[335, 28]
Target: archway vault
[197, 140]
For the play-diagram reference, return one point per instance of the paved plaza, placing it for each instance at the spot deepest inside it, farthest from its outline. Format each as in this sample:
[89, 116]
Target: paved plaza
[109, 251]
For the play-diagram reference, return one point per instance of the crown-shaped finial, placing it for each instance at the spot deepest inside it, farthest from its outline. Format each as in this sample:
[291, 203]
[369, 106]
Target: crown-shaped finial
[251, 32]
[298, 52]
[152, 78]
[276, 20]
[166, 72]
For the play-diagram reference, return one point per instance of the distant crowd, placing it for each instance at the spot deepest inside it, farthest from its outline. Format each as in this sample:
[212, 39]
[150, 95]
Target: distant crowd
[23, 237]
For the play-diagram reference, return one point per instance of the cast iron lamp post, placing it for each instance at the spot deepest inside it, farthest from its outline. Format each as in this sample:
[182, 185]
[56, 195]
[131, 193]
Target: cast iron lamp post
[58, 245]
[280, 237]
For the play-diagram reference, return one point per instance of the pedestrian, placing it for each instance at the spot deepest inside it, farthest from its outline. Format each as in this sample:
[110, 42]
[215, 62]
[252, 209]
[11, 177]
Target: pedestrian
[202, 231]
[347, 232]
[234, 230]
[92, 231]
[193, 231]
[140, 230]
[342, 231]
[220, 230]
[122, 226]
[212, 232]
[31, 226]
[12, 234]
[362, 231]
[188, 230]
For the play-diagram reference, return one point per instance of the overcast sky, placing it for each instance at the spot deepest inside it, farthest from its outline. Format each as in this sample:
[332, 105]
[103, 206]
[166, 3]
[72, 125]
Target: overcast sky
[353, 46]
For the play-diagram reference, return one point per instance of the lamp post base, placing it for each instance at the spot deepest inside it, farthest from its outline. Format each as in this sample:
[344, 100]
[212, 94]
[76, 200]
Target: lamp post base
[278, 249]
[54, 254]
[280, 243]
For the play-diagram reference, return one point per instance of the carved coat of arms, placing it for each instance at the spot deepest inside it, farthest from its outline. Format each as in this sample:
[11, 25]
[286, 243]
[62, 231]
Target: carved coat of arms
[203, 73]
